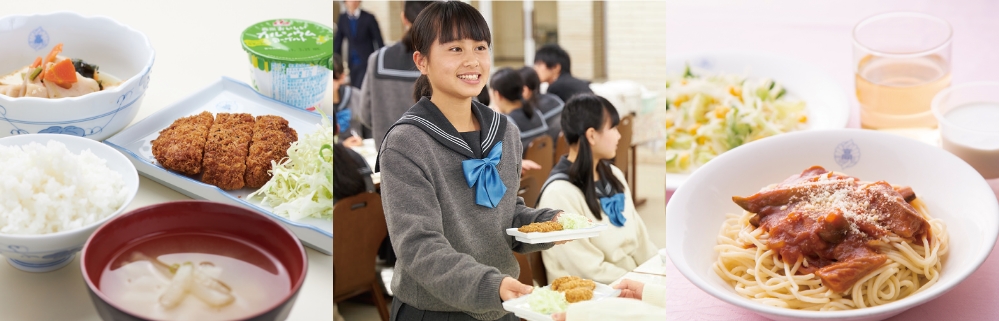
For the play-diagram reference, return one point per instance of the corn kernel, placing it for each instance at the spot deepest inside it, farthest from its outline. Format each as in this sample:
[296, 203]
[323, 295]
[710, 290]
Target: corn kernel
[735, 91]
[680, 99]
[720, 111]
[803, 119]
[669, 123]
[693, 128]
[701, 140]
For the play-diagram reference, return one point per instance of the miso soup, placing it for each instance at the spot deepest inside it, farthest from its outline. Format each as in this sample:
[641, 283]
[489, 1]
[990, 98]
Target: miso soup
[192, 276]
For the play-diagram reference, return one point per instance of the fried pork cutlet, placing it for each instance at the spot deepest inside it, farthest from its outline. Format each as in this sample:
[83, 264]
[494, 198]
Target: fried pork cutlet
[578, 294]
[226, 150]
[540, 227]
[576, 284]
[271, 139]
[181, 146]
[559, 281]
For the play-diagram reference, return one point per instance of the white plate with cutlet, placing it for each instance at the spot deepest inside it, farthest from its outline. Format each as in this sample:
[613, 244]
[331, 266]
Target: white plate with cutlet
[522, 306]
[225, 97]
[555, 236]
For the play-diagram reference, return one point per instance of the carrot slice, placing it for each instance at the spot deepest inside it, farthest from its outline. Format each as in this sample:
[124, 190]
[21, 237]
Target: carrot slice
[62, 74]
[38, 62]
[57, 49]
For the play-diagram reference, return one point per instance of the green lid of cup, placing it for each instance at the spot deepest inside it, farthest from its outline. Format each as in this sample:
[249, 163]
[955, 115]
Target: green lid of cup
[288, 41]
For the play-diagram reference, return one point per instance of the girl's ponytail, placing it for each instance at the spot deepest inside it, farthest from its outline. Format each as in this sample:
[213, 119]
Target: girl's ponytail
[581, 175]
[422, 88]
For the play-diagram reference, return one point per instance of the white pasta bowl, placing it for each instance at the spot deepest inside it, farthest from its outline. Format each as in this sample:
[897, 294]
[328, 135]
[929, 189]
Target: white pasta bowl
[951, 190]
[48, 252]
[116, 49]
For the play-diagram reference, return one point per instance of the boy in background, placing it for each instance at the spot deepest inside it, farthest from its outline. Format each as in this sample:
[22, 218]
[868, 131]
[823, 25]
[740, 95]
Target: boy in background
[553, 66]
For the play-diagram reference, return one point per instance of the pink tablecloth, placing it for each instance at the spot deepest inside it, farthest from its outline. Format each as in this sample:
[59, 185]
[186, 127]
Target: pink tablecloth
[820, 33]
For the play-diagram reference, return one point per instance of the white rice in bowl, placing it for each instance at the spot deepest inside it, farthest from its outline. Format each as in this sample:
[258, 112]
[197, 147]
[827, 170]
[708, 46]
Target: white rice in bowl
[47, 189]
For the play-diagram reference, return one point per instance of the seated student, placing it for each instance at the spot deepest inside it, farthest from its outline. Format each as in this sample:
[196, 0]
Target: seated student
[346, 99]
[507, 95]
[353, 175]
[554, 67]
[637, 302]
[585, 182]
[389, 78]
[549, 104]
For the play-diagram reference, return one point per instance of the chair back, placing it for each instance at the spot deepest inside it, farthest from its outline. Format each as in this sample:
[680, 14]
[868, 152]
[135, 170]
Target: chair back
[539, 151]
[561, 147]
[623, 158]
[358, 229]
[538, 270]
[525, 269]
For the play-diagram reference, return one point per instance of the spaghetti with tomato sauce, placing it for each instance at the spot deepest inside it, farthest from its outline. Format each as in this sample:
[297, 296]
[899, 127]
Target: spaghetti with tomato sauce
[824, 240]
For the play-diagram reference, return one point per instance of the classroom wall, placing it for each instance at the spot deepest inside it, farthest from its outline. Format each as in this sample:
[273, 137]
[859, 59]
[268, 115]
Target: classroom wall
[636, 42]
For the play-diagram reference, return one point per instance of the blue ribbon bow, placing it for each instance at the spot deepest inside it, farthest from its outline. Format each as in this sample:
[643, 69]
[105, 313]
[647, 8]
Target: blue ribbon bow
[614, 207]
[483, 176]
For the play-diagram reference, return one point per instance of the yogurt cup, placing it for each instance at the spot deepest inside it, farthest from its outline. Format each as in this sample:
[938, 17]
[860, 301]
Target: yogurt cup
[290, 60]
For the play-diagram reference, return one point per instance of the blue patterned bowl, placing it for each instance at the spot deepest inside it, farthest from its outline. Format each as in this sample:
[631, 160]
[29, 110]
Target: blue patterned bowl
[48, 252]
[118, 50]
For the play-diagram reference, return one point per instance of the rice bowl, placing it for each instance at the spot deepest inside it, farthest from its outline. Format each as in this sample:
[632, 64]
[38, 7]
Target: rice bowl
[55, 190]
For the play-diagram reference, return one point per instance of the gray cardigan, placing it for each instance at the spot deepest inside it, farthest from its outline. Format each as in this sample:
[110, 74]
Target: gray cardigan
[452, 253]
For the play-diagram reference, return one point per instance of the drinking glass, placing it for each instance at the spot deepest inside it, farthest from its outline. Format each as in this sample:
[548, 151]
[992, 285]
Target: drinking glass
[968, 116]
[902, 60]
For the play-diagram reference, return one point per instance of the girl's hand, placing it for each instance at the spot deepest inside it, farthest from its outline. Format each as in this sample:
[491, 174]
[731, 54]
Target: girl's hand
[353, 141]
[558, 316]
[528, 165]
[511, 289]
[630, 289]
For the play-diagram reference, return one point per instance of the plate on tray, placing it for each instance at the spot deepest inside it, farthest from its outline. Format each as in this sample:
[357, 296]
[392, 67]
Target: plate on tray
[563, 235]
[522, 308]
[224, 96]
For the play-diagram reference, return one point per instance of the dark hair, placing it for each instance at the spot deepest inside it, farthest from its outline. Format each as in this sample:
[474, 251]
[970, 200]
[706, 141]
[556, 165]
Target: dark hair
[347, 179]
[533, 83]
[484, 96]
[582, 112]
[410, 11]
[421, 88]
[337, 66]
[510, 85]
[445, 21]
[551, 54]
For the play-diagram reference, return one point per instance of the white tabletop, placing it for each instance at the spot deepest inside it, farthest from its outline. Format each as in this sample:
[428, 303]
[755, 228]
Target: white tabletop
[196, 43]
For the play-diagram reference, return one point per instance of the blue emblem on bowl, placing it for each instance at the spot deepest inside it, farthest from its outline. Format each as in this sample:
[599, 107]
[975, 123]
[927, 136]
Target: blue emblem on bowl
[38, 39]
[68, 130]
[847, 154]
[705, 63]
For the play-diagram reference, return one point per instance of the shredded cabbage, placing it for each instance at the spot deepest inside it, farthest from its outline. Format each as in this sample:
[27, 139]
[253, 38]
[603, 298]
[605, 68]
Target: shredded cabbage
[572, 221]
[301, 185]
[547, 301]
[710, 114]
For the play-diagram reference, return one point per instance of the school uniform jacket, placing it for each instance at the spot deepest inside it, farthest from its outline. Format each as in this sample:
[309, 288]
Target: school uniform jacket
[606, 257]
[362, 42]
[387, 92]
[567, 86]
[452, 252]
[551, 107]
[530, 128]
